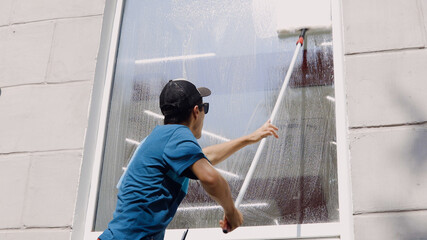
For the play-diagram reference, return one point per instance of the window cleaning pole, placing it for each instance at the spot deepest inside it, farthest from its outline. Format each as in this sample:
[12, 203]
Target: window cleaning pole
[272, 118]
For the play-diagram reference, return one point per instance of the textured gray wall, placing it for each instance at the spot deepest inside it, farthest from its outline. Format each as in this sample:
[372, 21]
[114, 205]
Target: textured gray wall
[386, 88]
[48, 52]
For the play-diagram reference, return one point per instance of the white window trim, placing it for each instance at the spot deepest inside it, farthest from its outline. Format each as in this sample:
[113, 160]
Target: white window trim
[343, 162]
[96, 173]
[342, 229]
[325, 230]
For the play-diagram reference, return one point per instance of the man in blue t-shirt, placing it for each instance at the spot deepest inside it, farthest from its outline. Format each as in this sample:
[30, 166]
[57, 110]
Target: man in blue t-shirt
[157, 177]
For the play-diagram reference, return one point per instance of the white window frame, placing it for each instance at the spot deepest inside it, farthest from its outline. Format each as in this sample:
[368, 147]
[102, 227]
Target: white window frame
[86, 203]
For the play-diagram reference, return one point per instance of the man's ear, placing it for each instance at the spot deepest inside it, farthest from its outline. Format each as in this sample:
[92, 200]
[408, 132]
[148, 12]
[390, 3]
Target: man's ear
[196, 111]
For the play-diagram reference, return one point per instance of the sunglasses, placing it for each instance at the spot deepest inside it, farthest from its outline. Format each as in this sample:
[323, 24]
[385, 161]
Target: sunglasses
[205, 107]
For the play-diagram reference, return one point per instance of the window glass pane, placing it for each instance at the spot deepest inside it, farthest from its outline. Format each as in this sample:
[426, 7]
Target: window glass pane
[232, 48]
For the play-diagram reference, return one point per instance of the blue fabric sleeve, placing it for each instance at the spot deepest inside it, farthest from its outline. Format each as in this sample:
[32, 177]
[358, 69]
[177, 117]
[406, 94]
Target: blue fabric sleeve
[182, 151]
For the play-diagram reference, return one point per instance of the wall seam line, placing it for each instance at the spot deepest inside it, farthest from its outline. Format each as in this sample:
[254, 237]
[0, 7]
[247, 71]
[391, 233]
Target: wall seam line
[54, 19]
[359, 213]
[40, 152]
[395, 50]
[389, 126]
[49, 61]
[46, 83]
[422, 21]
[24, 203]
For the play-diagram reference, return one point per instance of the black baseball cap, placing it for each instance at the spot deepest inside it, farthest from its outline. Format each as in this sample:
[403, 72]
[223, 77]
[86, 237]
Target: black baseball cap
[179, 96]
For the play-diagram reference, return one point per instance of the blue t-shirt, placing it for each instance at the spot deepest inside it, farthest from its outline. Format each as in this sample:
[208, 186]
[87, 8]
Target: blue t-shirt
[155, 183]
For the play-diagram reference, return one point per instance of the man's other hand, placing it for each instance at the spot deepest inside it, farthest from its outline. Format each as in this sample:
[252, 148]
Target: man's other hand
[265, 130]
[231, 221]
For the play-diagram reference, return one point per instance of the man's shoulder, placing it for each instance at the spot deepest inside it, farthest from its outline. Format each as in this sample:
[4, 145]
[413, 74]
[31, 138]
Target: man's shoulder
[170, 127]
[181, 137]
[176, 131]
[171, 134]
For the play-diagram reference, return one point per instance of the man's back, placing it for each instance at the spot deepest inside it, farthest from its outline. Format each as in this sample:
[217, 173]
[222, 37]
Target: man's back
[154, 184]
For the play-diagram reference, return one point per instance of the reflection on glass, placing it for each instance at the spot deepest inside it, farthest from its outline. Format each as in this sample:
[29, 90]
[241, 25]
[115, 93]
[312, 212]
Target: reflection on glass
[232, 48]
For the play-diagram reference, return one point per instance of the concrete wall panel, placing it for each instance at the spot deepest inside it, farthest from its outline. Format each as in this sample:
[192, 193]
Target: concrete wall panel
[386, 88]
[5, 12]
[423, 5]
[74, 50]
[13, 183]
[36, 10]
[403, 225]
[45, 234]
[21, 62]
[52, 189]
[44, 117]
[48, 56]
[377, 25]
[389, 169]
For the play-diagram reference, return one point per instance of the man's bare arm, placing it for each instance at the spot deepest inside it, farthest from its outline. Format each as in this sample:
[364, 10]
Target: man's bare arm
[217, 187]
[218, 153]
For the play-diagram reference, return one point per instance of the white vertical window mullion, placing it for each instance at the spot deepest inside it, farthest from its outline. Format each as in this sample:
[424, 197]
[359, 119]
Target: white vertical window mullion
[344, 185]
[90, 216]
